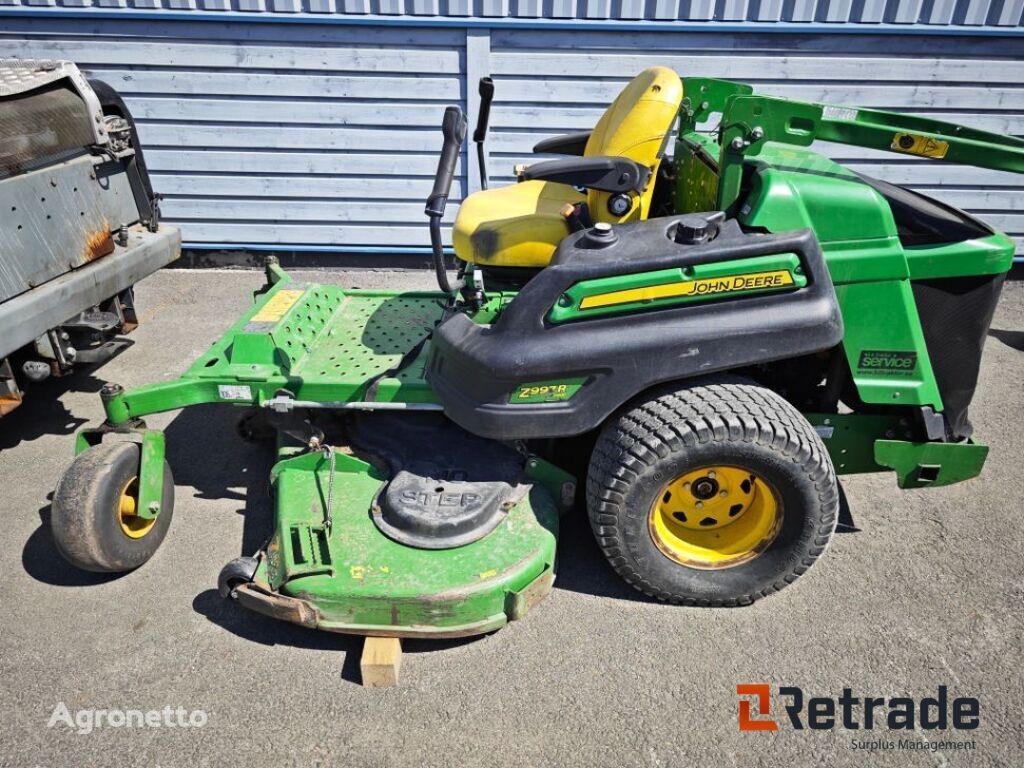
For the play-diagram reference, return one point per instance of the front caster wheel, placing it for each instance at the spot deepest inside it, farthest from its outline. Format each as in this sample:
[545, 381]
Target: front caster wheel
[238, 571]
[715, 494]
[94, 514]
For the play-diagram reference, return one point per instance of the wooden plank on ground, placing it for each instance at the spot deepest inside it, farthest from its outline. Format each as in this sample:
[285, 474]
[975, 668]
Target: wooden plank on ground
[381, 662]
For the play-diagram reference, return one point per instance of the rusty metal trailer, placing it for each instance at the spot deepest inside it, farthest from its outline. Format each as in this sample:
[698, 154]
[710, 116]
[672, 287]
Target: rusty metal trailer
[79, 222]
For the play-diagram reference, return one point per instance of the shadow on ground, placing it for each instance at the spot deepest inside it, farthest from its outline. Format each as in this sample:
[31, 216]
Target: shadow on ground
[206, 454]
[42, 412]
[1012, 339]
[43, 562]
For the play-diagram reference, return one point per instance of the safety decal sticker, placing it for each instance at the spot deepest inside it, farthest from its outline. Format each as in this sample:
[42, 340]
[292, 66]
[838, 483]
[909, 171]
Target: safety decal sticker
[235, 392]
[276, 308]
[915, 144]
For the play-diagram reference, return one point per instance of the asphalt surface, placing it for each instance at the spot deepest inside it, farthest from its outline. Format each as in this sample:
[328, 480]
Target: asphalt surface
[923, 588]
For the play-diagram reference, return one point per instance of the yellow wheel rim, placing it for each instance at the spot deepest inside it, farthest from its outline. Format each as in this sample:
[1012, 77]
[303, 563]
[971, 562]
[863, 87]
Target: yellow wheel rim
[134, 527]
[715, 517]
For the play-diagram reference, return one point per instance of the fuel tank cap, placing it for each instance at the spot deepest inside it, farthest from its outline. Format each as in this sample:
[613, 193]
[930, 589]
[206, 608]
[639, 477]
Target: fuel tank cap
[693, 229]
[601, 235]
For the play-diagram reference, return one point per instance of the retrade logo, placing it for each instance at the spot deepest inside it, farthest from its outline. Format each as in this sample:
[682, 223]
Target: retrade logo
[762, 698]
[850, 712]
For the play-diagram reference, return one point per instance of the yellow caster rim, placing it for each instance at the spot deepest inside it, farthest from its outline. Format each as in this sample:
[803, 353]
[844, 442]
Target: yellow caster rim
[715, 517]
[132, 525]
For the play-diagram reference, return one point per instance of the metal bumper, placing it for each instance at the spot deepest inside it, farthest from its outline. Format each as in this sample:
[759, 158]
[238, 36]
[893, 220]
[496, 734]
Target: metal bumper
[27, 316]
[260, 599]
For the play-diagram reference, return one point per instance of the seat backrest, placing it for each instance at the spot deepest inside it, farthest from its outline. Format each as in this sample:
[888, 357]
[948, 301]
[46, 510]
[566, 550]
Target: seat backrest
[636, 125]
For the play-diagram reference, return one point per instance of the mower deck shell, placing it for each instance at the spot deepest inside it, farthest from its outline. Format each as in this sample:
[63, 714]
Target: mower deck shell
[351, 577]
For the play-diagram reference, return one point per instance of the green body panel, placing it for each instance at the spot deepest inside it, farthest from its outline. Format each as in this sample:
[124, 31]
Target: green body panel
[883, 317]
[850, 438]
[696, 174]
[359, 580]
[770, 181]
[151, 462]
[984, 256]
[569, 306]
[926, 465]
[859, 443]
[327, 345]
[559, 484]
[151, 474]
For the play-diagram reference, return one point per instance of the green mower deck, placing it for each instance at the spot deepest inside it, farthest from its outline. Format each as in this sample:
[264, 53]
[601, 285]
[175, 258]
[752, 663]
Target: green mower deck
[351, 578]
[326, 344]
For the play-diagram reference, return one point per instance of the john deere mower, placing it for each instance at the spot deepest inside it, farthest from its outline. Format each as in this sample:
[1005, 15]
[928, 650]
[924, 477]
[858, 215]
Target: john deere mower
[692, 346]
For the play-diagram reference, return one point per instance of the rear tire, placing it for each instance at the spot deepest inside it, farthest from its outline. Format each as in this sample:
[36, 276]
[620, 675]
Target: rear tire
[91, 518]
[667, 473]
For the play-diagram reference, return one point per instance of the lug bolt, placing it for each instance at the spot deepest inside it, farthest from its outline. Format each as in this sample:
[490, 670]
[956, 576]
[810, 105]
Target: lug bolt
[686, 486]
[711, 474]
[723, 494]
[699, 505]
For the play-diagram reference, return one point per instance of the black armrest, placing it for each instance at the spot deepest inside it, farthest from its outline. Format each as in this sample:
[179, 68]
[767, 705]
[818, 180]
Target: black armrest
[569, 144]
[607, 174]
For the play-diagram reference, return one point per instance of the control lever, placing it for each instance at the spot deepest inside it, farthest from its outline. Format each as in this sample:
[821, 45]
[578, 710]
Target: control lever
[453, 127]
[482, 118]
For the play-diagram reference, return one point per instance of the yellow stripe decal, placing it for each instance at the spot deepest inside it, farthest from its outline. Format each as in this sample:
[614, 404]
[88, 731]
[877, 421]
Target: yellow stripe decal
[275, 309]
[707, 286]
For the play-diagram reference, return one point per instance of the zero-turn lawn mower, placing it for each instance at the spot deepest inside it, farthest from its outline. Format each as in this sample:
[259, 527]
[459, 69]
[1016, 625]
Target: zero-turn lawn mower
[716, 334]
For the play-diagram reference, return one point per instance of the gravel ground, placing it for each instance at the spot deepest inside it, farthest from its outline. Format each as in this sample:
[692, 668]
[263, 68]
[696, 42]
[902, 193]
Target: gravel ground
[923, 589]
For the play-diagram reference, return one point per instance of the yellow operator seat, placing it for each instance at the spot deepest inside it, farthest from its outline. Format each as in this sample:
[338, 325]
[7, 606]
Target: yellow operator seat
[521, 224]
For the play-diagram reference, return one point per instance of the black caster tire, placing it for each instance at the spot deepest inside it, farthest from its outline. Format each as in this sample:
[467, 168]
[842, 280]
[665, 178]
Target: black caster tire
[238, 571]
[715, 494]
[92, 517]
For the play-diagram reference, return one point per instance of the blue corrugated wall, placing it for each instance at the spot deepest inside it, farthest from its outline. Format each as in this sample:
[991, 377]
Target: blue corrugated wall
[314, 125]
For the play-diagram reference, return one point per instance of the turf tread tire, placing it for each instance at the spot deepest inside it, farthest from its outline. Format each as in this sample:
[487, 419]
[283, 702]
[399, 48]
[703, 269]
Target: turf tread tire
[83, 517]
[724, 411]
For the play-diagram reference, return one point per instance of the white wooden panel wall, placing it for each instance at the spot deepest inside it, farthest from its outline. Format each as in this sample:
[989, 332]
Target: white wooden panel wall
[265, 134]
[325, 135]
[934, 13]
[548, 83]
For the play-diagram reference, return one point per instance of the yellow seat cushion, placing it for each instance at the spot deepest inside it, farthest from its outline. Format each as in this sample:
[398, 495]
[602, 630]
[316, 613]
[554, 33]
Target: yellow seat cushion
[515, 226]
[636, 125]
[520, 225]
